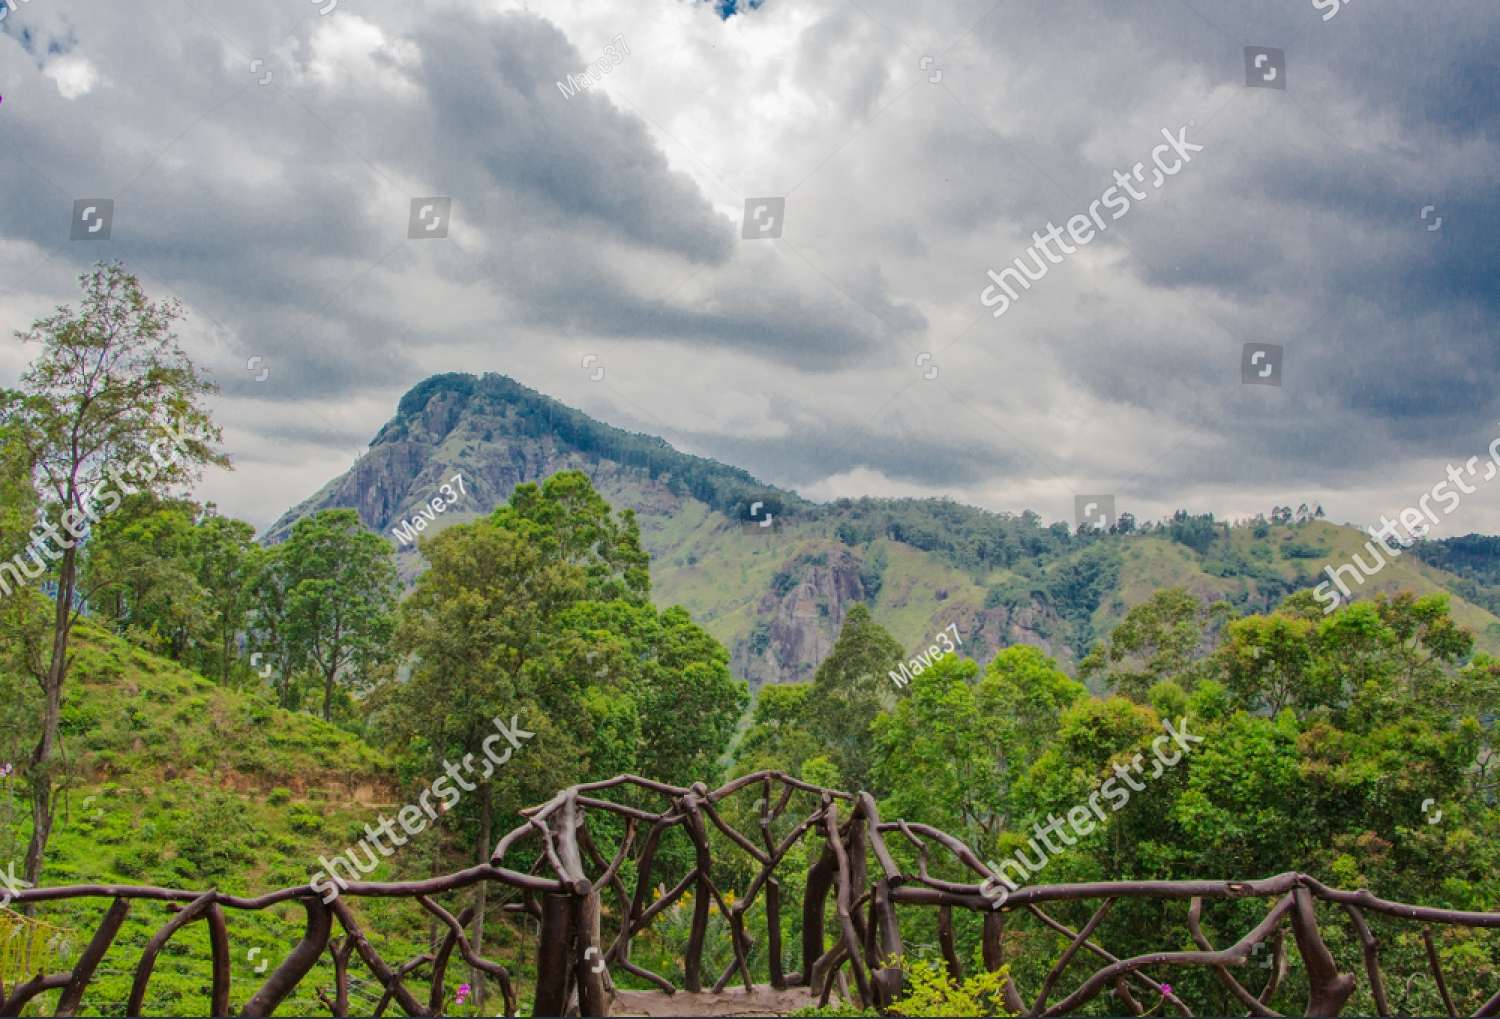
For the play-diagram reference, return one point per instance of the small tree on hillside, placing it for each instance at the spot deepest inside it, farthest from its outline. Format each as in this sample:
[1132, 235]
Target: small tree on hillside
[338, 599]
[226, 560]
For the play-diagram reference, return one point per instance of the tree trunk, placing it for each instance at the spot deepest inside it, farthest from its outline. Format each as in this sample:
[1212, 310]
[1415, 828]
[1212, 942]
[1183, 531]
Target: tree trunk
[41, 758]
[328, 696]
[482, 855]
[225, 644]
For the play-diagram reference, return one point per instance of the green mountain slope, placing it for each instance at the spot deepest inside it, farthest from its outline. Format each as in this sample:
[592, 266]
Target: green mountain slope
[774, 584]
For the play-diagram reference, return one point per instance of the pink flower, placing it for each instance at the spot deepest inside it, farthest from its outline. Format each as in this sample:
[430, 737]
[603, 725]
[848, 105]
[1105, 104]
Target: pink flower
[463, 992]
[1165, 989]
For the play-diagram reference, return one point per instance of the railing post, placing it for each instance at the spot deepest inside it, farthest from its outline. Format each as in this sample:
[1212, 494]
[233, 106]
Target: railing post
[692, 963]
[773, 933]
[593, 993]
[554, 955]
[993, 948]
[814, 897]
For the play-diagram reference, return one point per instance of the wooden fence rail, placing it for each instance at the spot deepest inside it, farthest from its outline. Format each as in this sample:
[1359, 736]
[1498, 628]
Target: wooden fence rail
[569, 872]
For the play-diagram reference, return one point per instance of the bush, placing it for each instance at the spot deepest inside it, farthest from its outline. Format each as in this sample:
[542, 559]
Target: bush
[215, 838]
[841, 1008]
[930, 991]
[139, 860]
[304, 821]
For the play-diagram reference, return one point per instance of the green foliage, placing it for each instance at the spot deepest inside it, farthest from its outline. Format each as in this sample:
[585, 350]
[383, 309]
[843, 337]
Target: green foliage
[18, 497]
[839, 1008]
[872, 572]
[848, 691]
[1299, 550]
[969, 538]
[1162, 638]
[137, 568]
[327, 601]
[934, 754]
[820, 770]
[1197, 532]
[1077, 585]
[540, 612]
[932, 991]
[1474, 559]
[778, 738]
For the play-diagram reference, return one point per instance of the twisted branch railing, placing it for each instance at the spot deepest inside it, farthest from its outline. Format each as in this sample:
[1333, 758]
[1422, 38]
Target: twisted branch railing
[574, 965]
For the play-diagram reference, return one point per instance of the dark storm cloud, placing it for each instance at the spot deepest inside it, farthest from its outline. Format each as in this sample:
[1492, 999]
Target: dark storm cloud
[1299, 224]
[294, 257]
[279, 213]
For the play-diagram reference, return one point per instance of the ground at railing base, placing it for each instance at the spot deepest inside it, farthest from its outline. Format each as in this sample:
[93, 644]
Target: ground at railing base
[765, 1000]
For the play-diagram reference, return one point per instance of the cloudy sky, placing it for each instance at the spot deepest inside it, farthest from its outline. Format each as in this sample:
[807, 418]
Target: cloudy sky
[262, 160]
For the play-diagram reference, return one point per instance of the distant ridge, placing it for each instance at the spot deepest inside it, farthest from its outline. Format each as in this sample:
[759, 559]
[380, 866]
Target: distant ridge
[774, 581]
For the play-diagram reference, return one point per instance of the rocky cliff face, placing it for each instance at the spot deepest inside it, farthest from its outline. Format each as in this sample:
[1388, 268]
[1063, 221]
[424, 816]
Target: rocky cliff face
[798, 619]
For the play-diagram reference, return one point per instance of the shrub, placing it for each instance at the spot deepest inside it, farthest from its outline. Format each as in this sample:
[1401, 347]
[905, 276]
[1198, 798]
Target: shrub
[930, 991]
[303, 821]
[841, 1008]
[139, 860]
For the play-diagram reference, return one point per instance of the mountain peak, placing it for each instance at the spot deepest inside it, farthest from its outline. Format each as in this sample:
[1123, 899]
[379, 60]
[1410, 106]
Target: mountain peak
[499, 433]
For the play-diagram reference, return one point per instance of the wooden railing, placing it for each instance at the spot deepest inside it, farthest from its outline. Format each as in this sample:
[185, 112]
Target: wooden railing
[844, 833]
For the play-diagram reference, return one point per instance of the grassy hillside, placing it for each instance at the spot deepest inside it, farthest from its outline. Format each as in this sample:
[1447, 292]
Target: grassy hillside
[180, 783]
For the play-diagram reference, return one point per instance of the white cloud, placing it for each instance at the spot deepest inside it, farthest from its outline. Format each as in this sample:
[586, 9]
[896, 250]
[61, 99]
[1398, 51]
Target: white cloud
[74, 75]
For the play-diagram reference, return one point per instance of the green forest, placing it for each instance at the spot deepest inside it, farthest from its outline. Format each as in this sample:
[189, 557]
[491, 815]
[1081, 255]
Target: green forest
[185, 705]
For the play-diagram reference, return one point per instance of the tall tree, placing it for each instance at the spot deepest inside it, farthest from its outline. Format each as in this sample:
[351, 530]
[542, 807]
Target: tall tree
[340, 599]
[110, 405]
[848, 691]
[225, 562]
[18, 497]
[24, 633]
[137, 567]
[935, 756]
[1020, 702]
[1162, 638]
[489, 608]
[777, 738]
